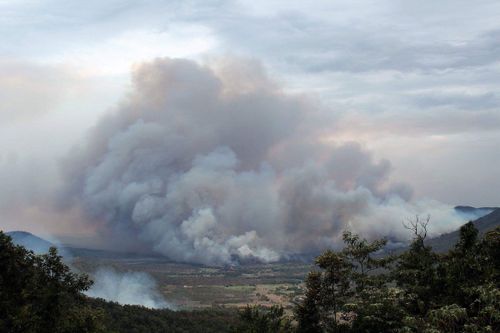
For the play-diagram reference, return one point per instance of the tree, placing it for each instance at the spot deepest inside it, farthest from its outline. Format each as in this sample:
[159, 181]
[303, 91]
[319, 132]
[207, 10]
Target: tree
[416, 270]
[307, 312]
[460, 268]
[378, 309]
[489, 249]
[335, 289]
[360, 254]
[327, 293]
[39, 293]
[256, 320]
[470, 296]
[421, 292]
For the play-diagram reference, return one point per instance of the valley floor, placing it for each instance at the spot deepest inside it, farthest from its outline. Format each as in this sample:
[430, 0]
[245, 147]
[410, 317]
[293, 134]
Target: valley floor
[196, 287]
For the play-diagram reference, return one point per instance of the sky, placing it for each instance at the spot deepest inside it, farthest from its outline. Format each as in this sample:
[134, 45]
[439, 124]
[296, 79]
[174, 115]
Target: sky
[413, 83]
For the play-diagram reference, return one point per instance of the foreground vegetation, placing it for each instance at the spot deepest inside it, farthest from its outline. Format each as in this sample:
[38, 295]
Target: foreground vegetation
[353, 290]
[40, 294]
[418, 291]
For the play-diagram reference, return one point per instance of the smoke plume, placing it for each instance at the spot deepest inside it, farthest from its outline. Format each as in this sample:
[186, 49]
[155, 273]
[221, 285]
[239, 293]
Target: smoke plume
[135, 288]
[217, 164]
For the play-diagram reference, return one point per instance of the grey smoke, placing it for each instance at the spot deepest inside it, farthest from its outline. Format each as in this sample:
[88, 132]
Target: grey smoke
[135, 288]
[215, 164]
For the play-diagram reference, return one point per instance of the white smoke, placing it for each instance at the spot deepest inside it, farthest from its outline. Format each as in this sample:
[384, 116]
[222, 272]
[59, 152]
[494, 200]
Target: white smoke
[135, 288]
[217, 164]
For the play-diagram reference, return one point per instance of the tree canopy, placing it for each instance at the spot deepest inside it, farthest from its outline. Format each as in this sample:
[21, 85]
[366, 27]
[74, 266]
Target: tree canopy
[358, 290]
[39, 293]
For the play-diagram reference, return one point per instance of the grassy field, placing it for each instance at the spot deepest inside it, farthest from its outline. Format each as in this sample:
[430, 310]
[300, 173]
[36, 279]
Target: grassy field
[195, 286]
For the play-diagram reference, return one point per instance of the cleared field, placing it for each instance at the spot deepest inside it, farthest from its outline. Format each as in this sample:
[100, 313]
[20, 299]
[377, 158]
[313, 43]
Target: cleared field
[201, 296]
[194, 286]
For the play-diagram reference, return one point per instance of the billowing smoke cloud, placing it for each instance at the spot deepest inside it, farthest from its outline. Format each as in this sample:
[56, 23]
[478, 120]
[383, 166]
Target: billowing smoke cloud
[218, 164]
[135, 288]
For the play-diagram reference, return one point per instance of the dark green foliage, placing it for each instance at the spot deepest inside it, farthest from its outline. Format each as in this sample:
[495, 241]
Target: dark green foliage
[327, 293]
[38, 293]
[360, 253]
[489, 255]
[260, 320]
[375, 306]
[138, 319]
[461, 268]
[416, 271]
[335, 289]
[307, 312]
[418, 291]
[377, 310]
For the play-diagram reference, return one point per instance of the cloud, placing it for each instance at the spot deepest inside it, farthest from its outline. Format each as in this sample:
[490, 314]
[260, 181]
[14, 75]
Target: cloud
[201, 171]
[386, 52]
[28, 90]
[39, 120]
[456, 100]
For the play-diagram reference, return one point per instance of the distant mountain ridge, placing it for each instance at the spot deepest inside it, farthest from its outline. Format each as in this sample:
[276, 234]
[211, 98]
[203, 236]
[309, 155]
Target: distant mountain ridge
[30, 241]
[40, 246]
[483, 224]
[473, 213]
[466, 209]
